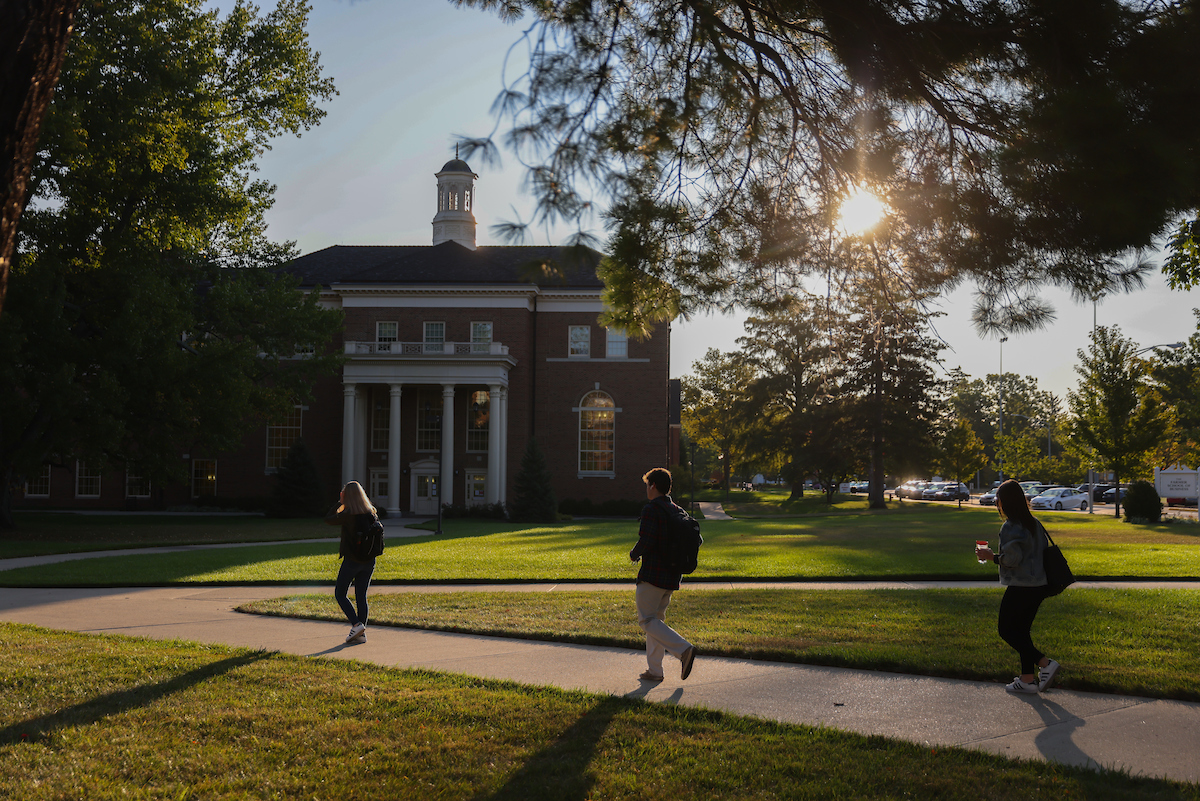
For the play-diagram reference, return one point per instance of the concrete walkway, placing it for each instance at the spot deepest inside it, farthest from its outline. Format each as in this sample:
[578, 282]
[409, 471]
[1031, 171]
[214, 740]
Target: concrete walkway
[1144, 736]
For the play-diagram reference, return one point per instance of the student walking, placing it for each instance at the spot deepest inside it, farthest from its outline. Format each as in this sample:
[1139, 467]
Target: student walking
[354, 513]
[656, 581]
[1022, 543]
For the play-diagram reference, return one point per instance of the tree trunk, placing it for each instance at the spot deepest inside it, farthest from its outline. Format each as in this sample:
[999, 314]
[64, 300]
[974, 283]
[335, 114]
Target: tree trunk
[33, 42]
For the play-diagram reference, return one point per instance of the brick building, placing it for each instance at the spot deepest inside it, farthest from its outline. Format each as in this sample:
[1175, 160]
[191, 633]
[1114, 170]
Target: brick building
[455, 356]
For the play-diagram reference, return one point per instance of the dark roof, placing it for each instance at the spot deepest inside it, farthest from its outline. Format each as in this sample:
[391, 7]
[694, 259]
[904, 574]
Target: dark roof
[448, 263]
[456, 165]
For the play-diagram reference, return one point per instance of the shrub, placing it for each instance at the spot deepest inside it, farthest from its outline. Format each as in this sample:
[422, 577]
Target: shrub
[1142, 504]
[585, 507]
[533, 497]
[298, 490]
[486, 511]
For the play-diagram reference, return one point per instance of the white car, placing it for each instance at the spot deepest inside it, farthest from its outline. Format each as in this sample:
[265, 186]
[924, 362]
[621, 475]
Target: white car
[1061, 498]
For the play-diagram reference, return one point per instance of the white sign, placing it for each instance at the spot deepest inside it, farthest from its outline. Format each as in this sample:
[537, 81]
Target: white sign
[1176, 482]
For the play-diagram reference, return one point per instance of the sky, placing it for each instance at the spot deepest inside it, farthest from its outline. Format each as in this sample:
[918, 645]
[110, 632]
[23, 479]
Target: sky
[413, 74]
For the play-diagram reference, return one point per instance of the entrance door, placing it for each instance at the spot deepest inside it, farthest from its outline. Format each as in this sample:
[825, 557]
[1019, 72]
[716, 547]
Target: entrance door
[476, 488]
[425, 497]
[379, 489]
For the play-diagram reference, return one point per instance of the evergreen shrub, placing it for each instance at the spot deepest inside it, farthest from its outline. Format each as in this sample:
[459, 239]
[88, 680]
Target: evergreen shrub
[1142, 504]
[533, 497]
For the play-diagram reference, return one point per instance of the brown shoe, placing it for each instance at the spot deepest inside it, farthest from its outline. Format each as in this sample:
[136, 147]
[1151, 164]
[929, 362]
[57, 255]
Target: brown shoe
[648, 676]
[687, 658]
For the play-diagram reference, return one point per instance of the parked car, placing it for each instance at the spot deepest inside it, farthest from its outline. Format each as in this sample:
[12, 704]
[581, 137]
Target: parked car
[1061, 498]
[915, 489]
[1098, 490]
[1110, 494]
[988, 498]
[931, 490]
[953, 492]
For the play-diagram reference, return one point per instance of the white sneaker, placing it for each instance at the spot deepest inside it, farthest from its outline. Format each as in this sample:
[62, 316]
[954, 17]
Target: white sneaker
[1018, 686]
[358, 633]
[1046, 675]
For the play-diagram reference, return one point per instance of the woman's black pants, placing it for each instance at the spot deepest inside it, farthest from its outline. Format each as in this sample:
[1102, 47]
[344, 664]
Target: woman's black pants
[1018, 608]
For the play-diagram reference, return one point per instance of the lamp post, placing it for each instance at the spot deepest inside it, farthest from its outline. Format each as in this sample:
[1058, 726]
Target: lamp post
[1000, 461]
[692, 494]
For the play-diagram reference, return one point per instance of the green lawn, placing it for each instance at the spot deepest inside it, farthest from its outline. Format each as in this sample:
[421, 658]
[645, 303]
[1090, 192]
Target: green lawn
[64, 532]
[113, 718]
[921, 542]
[1134, 642]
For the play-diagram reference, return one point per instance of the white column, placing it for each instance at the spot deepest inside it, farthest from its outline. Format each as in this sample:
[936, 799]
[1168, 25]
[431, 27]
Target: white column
[393, 505]
[362, 439]
[502, 486]
[446, 482]
[348, 405]
[493, 462]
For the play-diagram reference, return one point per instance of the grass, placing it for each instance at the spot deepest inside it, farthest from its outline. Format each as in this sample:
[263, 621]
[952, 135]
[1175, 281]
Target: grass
[1133, 642]
[922, 542]
[63, 532]
[108, 717]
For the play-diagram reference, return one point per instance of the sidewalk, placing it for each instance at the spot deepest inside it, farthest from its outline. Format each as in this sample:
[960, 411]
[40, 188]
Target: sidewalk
[1144, 736]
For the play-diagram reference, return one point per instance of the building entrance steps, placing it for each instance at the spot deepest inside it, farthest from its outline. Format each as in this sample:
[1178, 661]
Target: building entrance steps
[1144, 736]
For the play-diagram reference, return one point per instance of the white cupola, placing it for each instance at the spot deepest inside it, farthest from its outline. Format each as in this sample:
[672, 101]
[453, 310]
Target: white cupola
[455, 218]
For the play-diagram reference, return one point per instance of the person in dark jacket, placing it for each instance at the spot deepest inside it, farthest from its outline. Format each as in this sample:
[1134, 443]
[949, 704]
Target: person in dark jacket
[656, 582]
[352, 513]
[1022, 543]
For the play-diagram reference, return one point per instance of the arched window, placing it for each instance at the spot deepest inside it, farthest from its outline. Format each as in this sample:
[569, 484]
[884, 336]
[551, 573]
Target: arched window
[597, 427]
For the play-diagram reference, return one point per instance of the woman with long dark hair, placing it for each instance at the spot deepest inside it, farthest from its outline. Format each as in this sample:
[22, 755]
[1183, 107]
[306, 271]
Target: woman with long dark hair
[1022, 543]
[352, 513]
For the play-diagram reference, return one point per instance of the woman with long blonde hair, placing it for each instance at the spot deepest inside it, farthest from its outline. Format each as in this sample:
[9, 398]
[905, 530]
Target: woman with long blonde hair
[354, 513]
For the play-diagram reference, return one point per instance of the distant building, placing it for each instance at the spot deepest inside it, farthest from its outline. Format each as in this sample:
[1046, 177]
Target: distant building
[456, 355]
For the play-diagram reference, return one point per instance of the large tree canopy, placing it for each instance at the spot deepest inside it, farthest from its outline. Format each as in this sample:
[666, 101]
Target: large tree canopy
[144, 313]
[1016, 143]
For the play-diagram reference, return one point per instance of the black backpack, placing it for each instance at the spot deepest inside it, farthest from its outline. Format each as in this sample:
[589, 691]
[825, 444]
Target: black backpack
[369, 541]
[683, 539]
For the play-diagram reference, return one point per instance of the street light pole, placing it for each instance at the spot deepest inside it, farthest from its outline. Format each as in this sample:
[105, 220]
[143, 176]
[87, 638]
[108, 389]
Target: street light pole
[1000, 461]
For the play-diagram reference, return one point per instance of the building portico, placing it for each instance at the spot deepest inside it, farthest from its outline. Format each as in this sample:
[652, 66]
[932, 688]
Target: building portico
[407, 379]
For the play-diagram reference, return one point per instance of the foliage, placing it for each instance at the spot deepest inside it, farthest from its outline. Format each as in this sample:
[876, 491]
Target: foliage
[1114, 413]
[1142, 504]
[298, 491]
[715, 412]
[720, 138]
[961, 452]
[1017, 455]
[1182, 266]
[483, 511]
[613, 507]
[145, 317]
[1175, 375]
[533, 493]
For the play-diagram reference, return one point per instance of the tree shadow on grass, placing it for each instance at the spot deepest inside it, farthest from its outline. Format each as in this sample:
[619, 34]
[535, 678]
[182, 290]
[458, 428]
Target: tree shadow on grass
[43, 727]
[560, 770]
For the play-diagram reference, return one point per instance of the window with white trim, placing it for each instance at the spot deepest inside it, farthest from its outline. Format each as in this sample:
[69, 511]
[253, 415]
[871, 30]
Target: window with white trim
[579, 345]
[386, 332]
[280, 437]
[87, 481]
[616, 345]
[478, 414]
[435, 337]
[39, 486]
[429, 421]
[597, 429]
[481, 337]
[204, 477]
[136, 485]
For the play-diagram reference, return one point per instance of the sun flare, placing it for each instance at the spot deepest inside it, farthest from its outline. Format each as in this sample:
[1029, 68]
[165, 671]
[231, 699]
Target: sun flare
[861, 211]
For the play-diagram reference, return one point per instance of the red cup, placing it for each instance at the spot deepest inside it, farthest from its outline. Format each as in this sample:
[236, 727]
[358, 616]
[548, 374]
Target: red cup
[981, 544]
